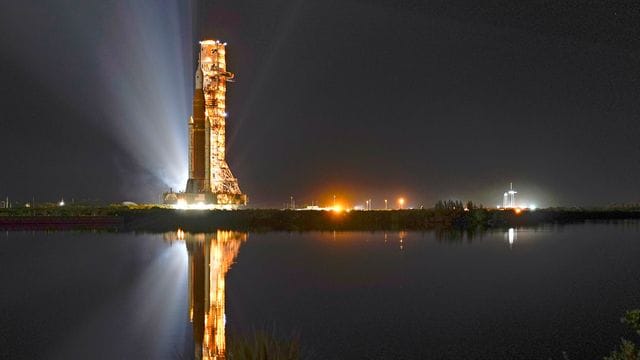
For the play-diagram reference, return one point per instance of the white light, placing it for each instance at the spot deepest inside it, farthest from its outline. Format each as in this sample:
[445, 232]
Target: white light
[200, 206]
[532, 207]
[182, 204]
[512, 236]
[61, 203]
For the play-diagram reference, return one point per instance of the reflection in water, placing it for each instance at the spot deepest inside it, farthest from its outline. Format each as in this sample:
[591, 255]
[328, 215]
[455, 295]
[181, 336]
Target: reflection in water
[210, 257]
[402, 235]
[512, 235]
[459, 235]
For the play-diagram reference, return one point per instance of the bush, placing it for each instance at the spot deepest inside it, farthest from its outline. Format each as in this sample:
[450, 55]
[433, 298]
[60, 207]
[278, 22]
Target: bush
[628, 350]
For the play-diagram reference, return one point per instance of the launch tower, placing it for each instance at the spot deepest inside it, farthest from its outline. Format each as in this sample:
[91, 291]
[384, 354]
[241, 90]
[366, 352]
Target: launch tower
[211, 181]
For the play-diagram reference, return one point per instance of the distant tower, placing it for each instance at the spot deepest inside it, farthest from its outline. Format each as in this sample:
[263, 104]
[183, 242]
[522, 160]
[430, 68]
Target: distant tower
[512, 196]
[210, 178]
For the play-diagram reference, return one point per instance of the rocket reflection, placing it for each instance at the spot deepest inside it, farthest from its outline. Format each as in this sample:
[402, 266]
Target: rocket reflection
[210, 257]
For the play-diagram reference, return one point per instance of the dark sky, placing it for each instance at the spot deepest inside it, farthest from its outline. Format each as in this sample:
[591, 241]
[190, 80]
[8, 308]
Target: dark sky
[359, 98]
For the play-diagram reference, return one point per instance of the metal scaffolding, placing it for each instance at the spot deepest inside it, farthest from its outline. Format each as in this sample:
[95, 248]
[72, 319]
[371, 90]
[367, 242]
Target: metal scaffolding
[220, 179]
[211, 182]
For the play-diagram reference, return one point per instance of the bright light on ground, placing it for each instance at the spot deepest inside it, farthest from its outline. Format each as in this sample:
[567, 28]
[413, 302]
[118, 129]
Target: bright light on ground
[183, 205]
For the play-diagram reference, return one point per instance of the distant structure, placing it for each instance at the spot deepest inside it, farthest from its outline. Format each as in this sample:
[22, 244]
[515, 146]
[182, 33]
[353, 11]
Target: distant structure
[509, 198]
[211, 182]
[509, 201]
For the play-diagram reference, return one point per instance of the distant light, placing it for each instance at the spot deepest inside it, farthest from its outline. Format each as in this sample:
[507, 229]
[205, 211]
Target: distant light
[337, 208]
[532, 207]
[518, 210]
[61, 203]
[401, 202]
[182, 204]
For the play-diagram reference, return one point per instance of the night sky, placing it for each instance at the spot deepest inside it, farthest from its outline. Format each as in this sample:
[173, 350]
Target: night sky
[359, 98]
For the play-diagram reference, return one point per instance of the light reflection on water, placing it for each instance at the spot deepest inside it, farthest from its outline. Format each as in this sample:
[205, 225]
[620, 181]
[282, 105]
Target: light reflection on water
[512, 235]
[391, 294]
[210, 257]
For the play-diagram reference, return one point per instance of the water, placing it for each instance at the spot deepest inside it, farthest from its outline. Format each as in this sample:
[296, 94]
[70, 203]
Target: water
[520, 294]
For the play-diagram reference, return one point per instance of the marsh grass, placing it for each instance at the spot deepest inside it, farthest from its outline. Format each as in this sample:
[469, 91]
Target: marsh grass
[263, 345]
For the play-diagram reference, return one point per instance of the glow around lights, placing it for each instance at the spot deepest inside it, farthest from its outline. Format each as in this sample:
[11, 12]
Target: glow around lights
[509, 202]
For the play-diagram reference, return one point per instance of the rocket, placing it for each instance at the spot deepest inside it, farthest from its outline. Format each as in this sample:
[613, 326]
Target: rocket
[198, 149]
[210, 178]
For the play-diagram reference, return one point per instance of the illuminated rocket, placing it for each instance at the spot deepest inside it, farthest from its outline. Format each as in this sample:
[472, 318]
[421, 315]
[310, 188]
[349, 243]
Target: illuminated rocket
[210, 178]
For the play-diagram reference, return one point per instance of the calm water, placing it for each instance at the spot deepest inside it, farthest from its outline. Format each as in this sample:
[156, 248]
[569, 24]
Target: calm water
[528, 294]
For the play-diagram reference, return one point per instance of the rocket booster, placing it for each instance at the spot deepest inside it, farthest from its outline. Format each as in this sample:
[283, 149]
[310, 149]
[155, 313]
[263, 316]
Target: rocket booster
[197, 133]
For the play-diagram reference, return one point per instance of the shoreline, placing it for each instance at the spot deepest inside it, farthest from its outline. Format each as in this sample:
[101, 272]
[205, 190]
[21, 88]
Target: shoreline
[155, 219]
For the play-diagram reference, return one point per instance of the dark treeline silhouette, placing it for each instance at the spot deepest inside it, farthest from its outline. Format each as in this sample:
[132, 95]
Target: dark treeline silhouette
[445, 215]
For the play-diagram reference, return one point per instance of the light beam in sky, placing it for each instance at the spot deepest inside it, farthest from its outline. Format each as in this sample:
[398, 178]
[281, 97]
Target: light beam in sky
[145, 63]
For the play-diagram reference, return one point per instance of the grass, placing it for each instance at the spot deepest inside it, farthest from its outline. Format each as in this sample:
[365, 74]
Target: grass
[263, 345]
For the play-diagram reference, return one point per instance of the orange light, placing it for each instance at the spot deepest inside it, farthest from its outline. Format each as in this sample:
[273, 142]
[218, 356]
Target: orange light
[518, 210]
[401, 202]
[337, 208]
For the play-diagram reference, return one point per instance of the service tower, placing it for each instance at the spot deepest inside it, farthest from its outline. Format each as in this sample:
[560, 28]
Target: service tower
[210, 179]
